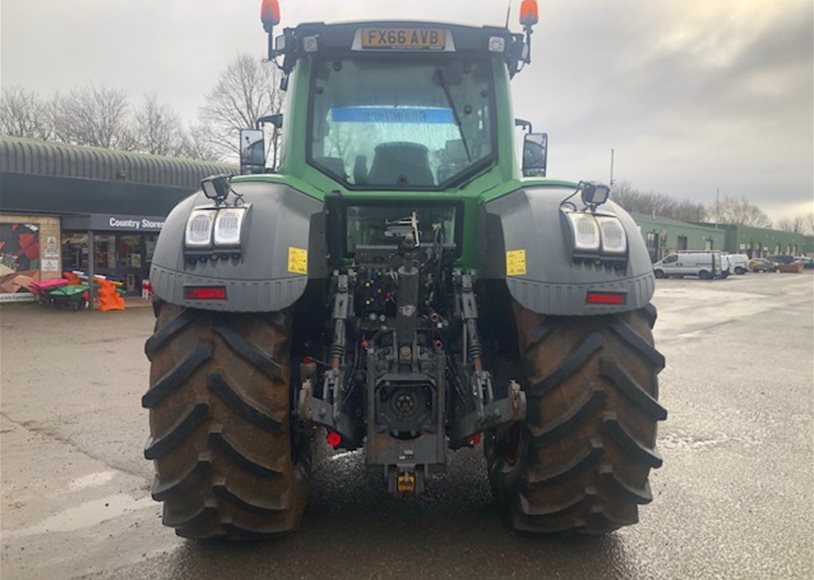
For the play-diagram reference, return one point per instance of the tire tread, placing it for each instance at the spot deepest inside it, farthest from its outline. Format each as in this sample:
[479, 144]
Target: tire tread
[588, 445]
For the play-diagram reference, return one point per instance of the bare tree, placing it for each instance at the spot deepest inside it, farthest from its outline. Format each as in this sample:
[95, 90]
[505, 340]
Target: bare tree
[24, 114]
[657, 204]
[801, 224]
[246, 90]
[103, 117]
[740, 211]
[98, 117]
[690, 211]
[158, 129]
[196, 145]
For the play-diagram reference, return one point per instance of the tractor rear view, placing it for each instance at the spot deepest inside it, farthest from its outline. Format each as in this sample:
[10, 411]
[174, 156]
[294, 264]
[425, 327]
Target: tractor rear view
[401, 286]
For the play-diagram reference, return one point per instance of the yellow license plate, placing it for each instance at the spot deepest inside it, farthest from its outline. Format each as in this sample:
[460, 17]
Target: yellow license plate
[404, 38]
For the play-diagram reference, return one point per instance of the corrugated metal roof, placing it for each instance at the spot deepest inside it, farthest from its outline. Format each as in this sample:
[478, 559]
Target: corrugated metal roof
[58, 160]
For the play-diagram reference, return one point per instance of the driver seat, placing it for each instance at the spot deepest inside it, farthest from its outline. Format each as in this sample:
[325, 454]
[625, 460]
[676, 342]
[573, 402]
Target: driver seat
[401, 163]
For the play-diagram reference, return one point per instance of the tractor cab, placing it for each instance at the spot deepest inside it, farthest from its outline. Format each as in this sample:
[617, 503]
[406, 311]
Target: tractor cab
[395, 105]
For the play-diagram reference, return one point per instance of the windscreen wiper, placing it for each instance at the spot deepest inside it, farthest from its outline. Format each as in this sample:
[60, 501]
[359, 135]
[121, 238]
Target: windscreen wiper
[442, 81]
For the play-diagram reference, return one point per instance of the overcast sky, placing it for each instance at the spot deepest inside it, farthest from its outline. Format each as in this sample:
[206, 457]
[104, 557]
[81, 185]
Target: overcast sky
[693, 95]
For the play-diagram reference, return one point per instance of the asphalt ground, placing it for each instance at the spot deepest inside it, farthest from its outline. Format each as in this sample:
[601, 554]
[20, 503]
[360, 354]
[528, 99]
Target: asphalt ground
[734, 499]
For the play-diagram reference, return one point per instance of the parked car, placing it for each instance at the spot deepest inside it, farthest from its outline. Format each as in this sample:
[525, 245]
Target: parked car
[762, 265]
[782, 259]
[738, 263]
[705, 265]
[808, 263]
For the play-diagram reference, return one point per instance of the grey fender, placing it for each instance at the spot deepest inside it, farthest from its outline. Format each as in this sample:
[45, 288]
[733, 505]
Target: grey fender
[551, 281]
[261, 279]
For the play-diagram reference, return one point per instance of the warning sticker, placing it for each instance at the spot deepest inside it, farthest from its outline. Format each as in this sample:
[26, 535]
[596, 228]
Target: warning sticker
[516, 262]
[297, 260]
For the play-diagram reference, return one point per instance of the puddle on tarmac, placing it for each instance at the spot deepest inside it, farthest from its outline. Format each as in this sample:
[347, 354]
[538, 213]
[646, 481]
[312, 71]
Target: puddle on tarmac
[344, 455]
[91, 480]
[87, 514]
[685, 441]
[693, 334]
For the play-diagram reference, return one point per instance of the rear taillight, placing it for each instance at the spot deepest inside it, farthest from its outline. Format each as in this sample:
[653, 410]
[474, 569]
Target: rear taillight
[607, 298]
[206, 293]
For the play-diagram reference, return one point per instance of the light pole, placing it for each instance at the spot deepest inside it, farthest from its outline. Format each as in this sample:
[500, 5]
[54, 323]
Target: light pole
[611, 167]
[717, 206]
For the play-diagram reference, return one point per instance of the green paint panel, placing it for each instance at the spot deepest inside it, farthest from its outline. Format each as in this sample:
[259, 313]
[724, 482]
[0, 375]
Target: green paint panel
[501, 178]
[681, 235]
[745, 239]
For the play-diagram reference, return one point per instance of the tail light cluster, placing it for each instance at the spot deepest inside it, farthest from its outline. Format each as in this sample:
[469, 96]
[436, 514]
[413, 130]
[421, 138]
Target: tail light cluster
[219, 227]
[600, 235]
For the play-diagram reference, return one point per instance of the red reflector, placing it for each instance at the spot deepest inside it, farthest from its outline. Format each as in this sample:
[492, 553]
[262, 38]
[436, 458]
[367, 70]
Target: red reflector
[474, 439]
[334, 439]
[606, 298]
[206, 293]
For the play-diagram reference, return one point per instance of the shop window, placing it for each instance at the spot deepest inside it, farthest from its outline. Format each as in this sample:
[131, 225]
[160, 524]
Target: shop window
[19, 248]
[19, 256]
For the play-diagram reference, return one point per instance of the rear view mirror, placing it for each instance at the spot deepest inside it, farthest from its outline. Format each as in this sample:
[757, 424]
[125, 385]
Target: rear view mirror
[252, 151]
[535, 155]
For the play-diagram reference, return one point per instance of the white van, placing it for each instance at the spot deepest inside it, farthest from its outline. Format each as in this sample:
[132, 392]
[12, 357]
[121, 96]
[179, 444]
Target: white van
[738, 263]
[705, 265]
[726, 267]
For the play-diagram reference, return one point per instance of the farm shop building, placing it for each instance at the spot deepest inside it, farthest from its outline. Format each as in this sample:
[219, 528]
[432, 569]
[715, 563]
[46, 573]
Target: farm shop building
[61, 204]
[664, 236]
[761, 242]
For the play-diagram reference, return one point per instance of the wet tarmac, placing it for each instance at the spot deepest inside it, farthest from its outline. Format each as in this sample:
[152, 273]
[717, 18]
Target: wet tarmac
[735, 498]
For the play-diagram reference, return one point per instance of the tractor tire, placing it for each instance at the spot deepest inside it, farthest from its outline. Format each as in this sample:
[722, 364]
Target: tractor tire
[581, 461]
[221, 438]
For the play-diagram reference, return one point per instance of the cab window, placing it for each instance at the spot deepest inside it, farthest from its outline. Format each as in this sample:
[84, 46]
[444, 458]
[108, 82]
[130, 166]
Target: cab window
[422, 124]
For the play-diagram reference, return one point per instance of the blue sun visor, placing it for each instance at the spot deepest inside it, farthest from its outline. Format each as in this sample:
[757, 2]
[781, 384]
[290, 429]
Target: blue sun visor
[400, 115]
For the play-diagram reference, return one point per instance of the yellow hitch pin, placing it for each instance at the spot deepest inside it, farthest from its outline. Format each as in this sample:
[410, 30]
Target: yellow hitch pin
[405, 482]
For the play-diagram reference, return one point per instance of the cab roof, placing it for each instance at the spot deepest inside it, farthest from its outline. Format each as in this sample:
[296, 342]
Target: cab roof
[340, 36]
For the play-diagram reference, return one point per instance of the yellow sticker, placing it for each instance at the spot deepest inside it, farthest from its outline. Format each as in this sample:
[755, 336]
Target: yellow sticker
[516, 263]
[297, 260]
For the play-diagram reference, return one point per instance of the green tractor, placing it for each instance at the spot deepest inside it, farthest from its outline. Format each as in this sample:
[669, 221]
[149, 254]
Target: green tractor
[401, 285]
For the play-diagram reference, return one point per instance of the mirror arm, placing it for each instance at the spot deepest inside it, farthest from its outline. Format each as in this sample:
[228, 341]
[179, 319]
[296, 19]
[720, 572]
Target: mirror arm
[275, 119]
[529, 31]
[526, 125]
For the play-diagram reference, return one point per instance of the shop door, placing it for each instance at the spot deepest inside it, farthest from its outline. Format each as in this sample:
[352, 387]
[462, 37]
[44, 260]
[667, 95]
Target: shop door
[104, 255]
[130, 256]
[74, 251]
[149, 249]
